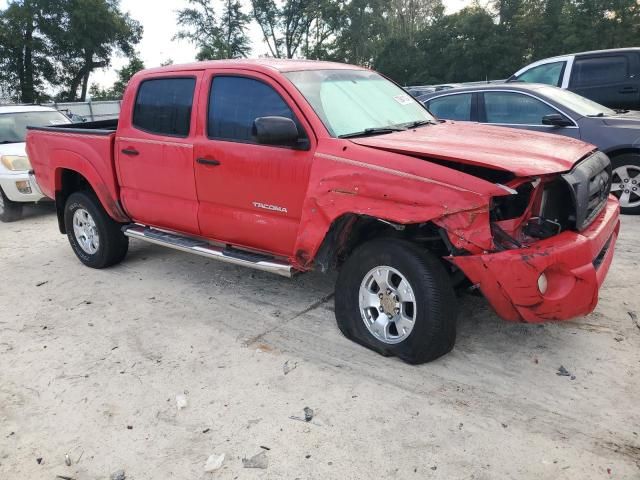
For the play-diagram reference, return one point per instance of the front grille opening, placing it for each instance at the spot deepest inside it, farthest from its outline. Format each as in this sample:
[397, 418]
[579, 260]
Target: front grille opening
[557, 204]
[590, 183]
[603, 253]
[512, 206]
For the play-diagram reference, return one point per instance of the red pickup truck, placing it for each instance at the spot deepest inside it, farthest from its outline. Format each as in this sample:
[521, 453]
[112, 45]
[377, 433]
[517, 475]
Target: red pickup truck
[290, 166]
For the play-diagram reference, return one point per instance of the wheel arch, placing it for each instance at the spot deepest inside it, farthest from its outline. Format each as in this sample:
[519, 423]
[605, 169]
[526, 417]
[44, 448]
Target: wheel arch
[351, 230]
[617, 151]
[70, 180]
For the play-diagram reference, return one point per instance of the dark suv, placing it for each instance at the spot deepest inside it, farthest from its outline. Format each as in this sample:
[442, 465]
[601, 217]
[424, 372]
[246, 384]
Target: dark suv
[609, 77]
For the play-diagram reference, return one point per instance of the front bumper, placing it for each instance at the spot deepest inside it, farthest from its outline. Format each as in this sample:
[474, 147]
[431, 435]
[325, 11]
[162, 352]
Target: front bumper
[20, 187]
[575, 265]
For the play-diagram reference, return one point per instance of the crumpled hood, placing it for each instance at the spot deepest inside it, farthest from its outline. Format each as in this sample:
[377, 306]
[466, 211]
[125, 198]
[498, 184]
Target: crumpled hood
[522, 152]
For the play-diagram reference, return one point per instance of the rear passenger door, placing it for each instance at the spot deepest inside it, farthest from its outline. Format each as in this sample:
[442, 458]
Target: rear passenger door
[250, 194]
[154, 153]
[460, 106]
[520, 110]
[611, 80]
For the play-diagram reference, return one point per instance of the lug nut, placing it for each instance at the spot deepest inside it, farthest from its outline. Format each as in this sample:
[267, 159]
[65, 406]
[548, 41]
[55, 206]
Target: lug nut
[388, 291]
[397, 310]
[380, 295]
[381, 308]
[626, 180]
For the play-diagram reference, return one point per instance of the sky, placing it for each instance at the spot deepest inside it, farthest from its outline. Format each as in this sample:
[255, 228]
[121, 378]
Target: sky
[158, 17]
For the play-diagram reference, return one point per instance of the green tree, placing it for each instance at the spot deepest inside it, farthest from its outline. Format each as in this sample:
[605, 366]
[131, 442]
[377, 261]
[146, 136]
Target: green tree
[363, 33]
[215, 39]
[297, 27]
[25, 54]
[124, 75]
[94, 31]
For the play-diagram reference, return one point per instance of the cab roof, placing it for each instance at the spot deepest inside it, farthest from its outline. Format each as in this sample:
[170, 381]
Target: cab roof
[258, 64]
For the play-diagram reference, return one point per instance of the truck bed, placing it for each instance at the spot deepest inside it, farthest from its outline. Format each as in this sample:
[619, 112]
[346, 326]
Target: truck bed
[101, 127]
[84, 148]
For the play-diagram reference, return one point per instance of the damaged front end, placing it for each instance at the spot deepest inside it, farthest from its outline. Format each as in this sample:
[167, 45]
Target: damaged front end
[541, 251]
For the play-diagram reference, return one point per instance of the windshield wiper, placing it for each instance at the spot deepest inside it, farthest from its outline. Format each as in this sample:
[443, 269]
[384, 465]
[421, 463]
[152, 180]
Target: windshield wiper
[601, 114]
[418, 123]
[620, 110]
[372, 131]
[4, 142]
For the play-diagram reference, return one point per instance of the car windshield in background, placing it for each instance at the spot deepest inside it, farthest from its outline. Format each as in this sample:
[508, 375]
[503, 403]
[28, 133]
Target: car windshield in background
[580, 105]
[13, 126]
[350, 102]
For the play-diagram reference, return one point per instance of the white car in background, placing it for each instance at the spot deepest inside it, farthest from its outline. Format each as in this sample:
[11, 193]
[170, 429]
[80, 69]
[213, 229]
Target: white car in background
[17, 186]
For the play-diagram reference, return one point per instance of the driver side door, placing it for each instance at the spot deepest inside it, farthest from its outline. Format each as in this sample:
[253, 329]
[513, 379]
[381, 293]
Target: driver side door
[249, 194]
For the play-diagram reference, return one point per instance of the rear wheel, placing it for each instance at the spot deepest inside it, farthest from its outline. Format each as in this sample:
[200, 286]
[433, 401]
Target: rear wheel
[96, 239]
[396, 299]
[626, 182]
[9, 211]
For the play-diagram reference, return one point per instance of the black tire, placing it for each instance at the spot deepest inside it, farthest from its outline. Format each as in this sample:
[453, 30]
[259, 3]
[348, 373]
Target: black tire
[632, 161]
[113, 244]
[434, 327]
[9, 211]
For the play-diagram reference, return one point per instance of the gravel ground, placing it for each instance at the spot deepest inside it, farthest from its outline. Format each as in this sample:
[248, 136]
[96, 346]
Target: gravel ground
[91, 363]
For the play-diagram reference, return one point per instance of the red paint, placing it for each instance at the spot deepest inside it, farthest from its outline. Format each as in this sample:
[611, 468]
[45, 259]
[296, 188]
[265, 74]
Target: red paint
[388, 177]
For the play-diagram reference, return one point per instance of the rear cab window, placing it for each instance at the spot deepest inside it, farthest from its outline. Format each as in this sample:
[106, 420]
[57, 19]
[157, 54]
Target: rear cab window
[163, 106]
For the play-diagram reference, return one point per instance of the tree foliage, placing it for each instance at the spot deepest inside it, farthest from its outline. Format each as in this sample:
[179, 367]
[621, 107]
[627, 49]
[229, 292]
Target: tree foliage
[215, 38]
[297, 27]
[59, 43]
[124, 75]
[25, 51]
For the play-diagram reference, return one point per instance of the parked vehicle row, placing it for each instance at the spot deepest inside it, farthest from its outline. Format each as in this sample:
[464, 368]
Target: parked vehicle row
[291, 166]
[608, 77]
[16, 185]
[548, 109]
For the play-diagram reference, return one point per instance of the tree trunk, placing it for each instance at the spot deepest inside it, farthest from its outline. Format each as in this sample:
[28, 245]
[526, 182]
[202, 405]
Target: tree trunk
[27, 89]
[85, 85]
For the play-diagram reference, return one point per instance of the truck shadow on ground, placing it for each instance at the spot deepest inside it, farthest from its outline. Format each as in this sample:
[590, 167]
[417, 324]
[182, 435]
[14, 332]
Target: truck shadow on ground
[302, 308]
[36, 210]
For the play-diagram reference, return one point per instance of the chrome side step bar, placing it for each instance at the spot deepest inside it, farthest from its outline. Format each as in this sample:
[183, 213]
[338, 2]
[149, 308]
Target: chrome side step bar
[205, 249]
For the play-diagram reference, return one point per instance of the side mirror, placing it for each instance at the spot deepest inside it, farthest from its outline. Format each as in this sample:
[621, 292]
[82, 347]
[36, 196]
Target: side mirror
[556, 120]
[275, 131]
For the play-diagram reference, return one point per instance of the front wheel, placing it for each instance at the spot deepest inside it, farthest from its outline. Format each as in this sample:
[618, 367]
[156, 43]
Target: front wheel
[9, 211]
[95, 237]
[396, 299]
[626, 182]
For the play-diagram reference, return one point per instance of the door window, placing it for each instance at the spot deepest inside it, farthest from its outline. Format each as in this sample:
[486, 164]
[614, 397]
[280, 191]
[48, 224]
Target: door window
[235, 103]
[452, 107]
[163, 106]
[599, 71]
[548, 73]
[514, 108]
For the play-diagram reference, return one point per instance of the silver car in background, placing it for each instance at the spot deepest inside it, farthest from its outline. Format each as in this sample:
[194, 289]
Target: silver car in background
[549, 109]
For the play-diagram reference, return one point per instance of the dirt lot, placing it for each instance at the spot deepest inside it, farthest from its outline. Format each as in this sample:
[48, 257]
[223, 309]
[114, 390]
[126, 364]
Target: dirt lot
[91, 363]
